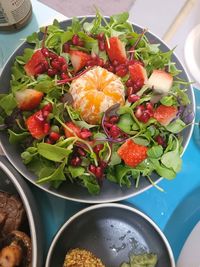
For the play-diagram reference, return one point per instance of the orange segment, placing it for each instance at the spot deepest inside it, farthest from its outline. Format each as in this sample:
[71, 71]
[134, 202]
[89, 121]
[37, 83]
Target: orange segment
[95, 91]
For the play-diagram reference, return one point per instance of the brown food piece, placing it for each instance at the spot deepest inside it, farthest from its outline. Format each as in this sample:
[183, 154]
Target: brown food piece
[12, 210]
[2, 220]
[81, 258]
[11, 256]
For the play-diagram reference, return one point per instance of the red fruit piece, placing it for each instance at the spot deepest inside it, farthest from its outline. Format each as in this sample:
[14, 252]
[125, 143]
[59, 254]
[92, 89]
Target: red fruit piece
[35, 124]
[36, 65]
[138, 74]
[75, 130]
[79, 59]
[132, 153]
[165, 114]
[28, 99]
[116, 51]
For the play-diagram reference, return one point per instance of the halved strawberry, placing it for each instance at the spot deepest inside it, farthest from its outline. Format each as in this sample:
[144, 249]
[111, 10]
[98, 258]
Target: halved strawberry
[116, 50]
[79, 59]
[28, 99]
[138, 74]
[37, 125]
[160, 81]
[37, 64]
[75, 130]
[165, 114]
[132, 153]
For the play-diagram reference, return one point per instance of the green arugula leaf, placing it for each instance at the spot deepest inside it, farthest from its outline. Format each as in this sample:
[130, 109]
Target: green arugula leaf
[8, 103]
[53, 152]
[120, 18]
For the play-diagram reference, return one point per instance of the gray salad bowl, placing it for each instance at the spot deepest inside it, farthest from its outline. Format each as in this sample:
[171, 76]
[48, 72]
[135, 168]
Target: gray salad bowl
[12, 182]
[112, 232]
[110, 192]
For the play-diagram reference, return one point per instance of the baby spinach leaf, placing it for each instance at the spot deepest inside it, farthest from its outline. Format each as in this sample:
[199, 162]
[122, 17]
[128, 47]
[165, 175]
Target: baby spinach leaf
[125, 123]
[8, 103]
[91, 184]
[76, 171]
[53, 152]
[155, 151]
[15, 138]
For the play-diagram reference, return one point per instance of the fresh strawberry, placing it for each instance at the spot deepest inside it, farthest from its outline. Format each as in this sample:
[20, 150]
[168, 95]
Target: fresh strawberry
[28, 99]
[79, 59]
[165, 114]
[37, 125]
[116, 50]
[37, 64]
[160, 81]
[75, 130]
[138, 74]
[132, 153]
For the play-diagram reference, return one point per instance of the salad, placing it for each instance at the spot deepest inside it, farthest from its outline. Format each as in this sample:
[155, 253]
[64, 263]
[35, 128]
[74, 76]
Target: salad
[93, 101]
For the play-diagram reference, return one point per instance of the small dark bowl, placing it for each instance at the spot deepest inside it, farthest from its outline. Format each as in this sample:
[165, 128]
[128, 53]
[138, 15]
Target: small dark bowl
[13, 183]
[110, 192]
[111, 232]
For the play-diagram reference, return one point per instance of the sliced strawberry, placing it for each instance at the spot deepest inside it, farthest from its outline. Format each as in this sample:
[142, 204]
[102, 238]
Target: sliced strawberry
[75, 130]
[37, 125]
[138, 74]
[79, 59]
[37, 64]
[116, 50]
[28, 99]
[132, 153]
[160, 81]
[165, 114]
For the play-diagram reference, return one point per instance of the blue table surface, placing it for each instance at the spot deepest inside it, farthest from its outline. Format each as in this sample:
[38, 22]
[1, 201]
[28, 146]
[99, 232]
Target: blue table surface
[175, 211]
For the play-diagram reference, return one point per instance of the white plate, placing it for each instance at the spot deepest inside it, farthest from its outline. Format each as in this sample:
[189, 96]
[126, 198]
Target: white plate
[192, 55]
[190, 254]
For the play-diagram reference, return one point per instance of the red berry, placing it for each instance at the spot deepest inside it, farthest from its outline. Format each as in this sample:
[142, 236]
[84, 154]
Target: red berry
[51, 72]
[114, 119]
[54, 136]
[45, 51]
[61, 60]
[75, 161]
[66, 47]
[92, 168]
[145, 116]
[64, 76]
[85, 133]
[64, 67]
[46, 128]
[98, 148]
[133, 98]
[99, 172]
[114, 131]
[75, 39]
[52, 55]
[55, 64]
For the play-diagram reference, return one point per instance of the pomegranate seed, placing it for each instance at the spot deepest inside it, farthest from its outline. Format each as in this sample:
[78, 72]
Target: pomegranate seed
[61, 60]
[92, 168]
[48, 107]
[160, 140]
[85, 133]
[81, 43]
[114, 119]
[101, 44]
[103, 164]
[54, 136]
[114, 131]
[115, 63]
[108, 125]
[121, 72]
[111, 68]
[48, 141]
[39, 69]
[55, 64]
[81, 152]
[52, 55]
[64, 76]
[51, 72]
[75, 39]
[75, 161]
[131, 62]
[130, 90]
[129, 83]
[46, 65]
[133, 98]
[39, 117]
[100, 62]
[66, 47]
[64, 67]
[98, 148]
[46, 128]
[100, 36]
[99, 172]
[45, 52]
[138, 85]
[145, 116]
[140, 109]
[149, 107]
[45, 113]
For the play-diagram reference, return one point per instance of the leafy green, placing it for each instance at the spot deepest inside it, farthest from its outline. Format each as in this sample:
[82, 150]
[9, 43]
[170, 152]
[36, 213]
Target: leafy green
[15, 138]
[8, 103]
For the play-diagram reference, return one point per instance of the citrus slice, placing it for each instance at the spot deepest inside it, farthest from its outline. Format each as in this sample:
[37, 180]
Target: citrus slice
[95, 91]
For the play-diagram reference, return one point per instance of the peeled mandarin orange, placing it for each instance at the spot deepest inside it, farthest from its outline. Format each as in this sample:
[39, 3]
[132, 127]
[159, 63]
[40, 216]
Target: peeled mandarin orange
[95, 91]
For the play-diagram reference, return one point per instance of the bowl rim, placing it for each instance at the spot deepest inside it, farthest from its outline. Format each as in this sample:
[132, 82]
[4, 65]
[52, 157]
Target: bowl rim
[111, 199]
[109, 205]
[22, 188]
